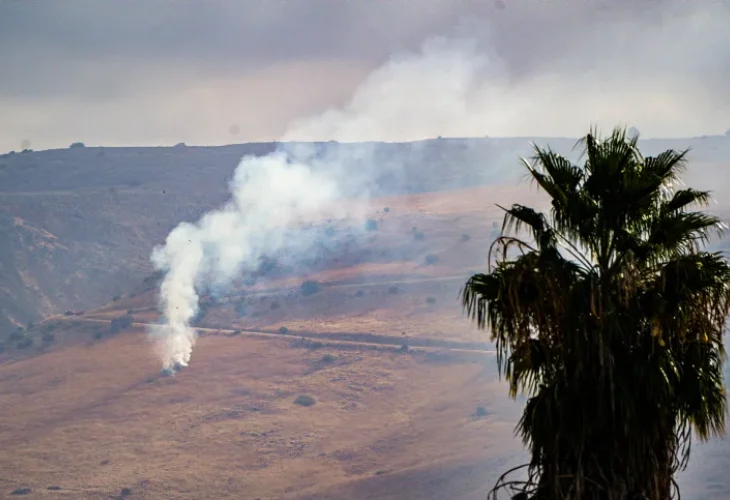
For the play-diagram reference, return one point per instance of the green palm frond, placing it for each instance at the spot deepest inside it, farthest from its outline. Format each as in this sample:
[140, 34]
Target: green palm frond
[610, 317]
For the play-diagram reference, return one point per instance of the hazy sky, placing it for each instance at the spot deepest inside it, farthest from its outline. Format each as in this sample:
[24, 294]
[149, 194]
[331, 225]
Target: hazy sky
[151, 72]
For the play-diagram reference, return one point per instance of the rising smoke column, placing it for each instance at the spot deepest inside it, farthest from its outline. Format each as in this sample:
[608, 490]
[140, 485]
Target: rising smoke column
[419, 92]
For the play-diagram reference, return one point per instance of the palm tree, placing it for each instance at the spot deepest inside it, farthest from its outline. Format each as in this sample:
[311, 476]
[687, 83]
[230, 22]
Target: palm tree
[609, 316]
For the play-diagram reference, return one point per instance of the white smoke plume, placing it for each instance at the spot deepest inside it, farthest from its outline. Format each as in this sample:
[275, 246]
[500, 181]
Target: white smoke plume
[417, 91]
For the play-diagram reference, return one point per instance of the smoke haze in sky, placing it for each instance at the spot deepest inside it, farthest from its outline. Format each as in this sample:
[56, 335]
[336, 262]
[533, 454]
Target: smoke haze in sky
[154, 72]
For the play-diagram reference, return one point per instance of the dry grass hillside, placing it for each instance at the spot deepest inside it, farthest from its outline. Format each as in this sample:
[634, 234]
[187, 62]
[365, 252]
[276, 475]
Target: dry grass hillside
[369, 384]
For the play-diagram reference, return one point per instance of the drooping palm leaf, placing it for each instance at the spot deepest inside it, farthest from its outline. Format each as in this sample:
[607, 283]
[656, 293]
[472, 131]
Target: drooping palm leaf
[608, 314]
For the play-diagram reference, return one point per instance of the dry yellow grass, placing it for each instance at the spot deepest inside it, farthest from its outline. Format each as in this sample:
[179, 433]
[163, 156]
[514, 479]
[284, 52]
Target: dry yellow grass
[227, 427]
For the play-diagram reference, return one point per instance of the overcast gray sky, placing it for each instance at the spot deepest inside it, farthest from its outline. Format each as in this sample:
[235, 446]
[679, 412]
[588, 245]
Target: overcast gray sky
[152, 72]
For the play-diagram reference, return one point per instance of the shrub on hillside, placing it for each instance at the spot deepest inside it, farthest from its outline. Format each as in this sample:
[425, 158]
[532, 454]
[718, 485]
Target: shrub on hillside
[304, 400]
[430, 301]
[121, 323]
[24, 344]
[240, 309]
[76, 145]
[393, 290]
[311, 287]
[386, 209]
[328, 358]
[48, 338]
[481, 411]
[359, 293]
[465, 237]
[21, 491]
[283, 330]
[418, 235]
[371, 225]
[98, 335]
[116, 297]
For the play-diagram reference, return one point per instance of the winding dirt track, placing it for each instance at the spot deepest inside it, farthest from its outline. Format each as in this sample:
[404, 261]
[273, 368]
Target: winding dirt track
[207, 332]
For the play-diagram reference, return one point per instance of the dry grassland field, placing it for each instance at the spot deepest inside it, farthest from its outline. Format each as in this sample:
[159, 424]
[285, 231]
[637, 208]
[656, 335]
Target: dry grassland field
[373, 385]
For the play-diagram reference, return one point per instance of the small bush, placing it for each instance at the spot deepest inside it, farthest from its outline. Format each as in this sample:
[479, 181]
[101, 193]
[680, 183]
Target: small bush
[274, 305]
[465, 237]
[283, 330]
[403, 348]
[98, 335]
[480, 411]
[431, 259]
[21, 491]
[15, 336]
[240, 309]
[76, 145]
[430, 301]
[121, 323]
[24, 344]
[419, 236]
[116, 297]
[328, 358]
[359, 293]
[48, 338]
[311, 287]
[386, 210]
[125, 492]
[50, 327]
[68, 313]
[393, 290]
[130, 311]
[371, 225]
[2, 348]
[304, 400]
[31, 325]
[236, 332]
[54, 488]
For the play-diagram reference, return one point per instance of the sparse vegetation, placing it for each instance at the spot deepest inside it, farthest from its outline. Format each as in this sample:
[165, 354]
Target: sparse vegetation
[274, 305]
[26, 343]
[21, 491]
[283, 330]
[310, 287]
[48, 338]
[328, 358]
[116, 298]
[480, 411]
[98, 335]
[240, 309]
[125, 492]
[371, 225]
[236, 332]
[359, 293]
[393, 290]
[386, 210]
[430, 301]
[465, 237]
[304, 400]
[418, 236]
[121, 323]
